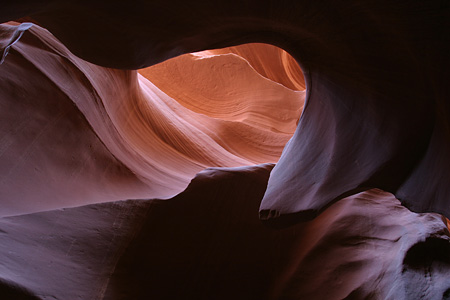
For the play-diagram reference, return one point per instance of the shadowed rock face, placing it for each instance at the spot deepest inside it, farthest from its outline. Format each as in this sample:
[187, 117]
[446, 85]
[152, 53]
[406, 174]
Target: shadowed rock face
[87, 132]
[207, 243]
[377, 113]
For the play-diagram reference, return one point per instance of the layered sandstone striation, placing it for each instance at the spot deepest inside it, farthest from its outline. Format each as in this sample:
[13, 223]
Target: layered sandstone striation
[82, 129]
[76, 133]
[377, 113]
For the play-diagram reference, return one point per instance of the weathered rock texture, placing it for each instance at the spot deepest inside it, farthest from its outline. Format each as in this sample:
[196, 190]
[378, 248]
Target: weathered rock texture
[81, 129]
[208, 243]
[377, 113]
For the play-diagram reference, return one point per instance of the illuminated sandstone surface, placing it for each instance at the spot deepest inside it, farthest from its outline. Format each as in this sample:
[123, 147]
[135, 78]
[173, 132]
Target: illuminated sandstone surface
[362, 62]
[82, 129]
[102, 134]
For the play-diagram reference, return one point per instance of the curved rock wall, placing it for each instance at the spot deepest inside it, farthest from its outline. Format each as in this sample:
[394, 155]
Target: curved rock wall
[377, 110]
[102, 134]
[81, 126]
[208, 243]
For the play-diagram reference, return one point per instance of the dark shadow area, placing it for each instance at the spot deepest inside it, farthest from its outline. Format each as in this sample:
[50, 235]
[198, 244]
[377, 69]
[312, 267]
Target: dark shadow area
[425, 267]
[14, 292]
[423, 254]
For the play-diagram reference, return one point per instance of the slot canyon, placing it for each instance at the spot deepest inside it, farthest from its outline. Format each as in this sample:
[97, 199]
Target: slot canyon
[224, 149]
